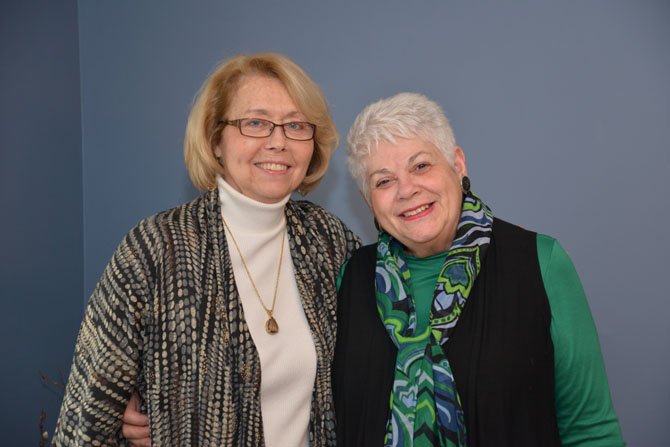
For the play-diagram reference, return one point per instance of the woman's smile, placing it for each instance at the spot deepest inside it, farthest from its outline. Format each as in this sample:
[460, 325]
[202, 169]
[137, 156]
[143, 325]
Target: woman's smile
[272, 167]
[417, 212]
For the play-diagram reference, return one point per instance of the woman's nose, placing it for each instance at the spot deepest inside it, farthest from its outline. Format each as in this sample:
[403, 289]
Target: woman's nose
[277, 138]
[406, 188]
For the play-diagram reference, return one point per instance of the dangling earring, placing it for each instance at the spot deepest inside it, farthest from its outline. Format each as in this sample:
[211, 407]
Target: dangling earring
[465, 185]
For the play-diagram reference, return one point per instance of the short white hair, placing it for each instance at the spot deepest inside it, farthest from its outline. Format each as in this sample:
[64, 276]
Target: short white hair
[405, 115]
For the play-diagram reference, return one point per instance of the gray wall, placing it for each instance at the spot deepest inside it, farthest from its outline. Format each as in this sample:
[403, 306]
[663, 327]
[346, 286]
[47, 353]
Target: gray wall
[41, 249]
[562, 109]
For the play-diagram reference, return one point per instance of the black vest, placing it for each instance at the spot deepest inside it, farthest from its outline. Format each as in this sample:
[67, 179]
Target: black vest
[501, 353]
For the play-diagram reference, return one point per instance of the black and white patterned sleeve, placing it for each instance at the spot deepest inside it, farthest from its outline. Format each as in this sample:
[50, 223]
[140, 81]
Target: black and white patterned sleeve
[107, 353]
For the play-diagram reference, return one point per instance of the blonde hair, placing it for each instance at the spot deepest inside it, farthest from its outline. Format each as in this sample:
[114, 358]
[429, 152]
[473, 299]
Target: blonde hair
[204, 127]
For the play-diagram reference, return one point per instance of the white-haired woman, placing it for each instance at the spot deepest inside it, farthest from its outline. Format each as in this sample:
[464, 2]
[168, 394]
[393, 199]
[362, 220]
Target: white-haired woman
[457, 328]
[221, 312]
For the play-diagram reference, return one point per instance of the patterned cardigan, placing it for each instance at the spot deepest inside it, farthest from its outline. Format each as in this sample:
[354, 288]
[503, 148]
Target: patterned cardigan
[166, 318]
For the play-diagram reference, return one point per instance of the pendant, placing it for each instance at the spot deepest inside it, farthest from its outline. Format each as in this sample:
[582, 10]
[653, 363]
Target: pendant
[271, 326]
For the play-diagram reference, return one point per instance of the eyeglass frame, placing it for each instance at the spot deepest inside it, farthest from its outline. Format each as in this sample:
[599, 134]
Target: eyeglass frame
[238, 123]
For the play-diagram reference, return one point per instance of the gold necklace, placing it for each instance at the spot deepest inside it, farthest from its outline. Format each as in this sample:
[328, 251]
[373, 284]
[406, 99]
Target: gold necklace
[271, 326]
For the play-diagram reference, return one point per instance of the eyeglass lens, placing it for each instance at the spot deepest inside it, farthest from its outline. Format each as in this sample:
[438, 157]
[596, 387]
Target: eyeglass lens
[295, 130]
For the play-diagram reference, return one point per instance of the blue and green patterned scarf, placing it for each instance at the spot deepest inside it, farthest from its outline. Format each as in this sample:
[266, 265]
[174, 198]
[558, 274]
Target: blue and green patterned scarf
[425, 406]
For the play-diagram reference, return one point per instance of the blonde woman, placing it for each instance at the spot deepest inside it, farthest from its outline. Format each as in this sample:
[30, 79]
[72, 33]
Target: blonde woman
[221, 312]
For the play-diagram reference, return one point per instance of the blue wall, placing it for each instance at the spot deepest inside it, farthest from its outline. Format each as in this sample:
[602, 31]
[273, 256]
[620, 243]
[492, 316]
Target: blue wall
[41, 276]
[562, 109]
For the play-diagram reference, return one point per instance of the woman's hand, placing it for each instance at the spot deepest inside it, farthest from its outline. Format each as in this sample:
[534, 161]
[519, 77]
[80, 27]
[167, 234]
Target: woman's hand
[135, 424]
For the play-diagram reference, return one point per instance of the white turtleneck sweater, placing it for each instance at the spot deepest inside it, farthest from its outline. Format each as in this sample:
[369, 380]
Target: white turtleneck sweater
[288, 358]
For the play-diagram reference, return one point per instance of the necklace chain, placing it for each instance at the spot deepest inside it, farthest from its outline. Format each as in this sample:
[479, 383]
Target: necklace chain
[271, 326]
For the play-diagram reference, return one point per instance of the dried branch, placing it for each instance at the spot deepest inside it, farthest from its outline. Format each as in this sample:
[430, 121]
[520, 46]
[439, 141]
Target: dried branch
[44, 434]
[58, 384]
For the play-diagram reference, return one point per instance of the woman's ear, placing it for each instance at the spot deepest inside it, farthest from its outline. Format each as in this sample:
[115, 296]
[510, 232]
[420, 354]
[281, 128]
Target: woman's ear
[459, 162]
[218, 152]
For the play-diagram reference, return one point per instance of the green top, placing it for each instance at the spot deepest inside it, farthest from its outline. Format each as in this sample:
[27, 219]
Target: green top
[584, 410]
[422, 285]
[583, 405]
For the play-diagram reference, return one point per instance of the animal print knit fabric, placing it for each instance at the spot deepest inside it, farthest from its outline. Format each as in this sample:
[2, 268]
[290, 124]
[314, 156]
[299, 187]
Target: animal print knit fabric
[166, 319]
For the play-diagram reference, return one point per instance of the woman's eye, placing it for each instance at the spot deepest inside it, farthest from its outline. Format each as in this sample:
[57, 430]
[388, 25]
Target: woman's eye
[381, 183]
[254, 123]
[295, 125]
[421, 166]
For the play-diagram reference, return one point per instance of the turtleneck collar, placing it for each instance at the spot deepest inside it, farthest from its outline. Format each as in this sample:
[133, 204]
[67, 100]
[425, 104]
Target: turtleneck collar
[247, 214]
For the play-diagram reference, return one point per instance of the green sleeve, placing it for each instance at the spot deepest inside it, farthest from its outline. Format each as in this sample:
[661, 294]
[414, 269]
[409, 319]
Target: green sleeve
[341, 274]
[584, 407]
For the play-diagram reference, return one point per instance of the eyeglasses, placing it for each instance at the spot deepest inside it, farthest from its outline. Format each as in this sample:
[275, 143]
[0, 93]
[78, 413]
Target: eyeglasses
[260, 128]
